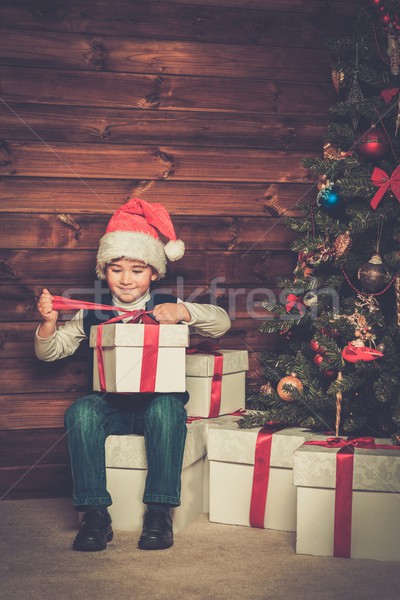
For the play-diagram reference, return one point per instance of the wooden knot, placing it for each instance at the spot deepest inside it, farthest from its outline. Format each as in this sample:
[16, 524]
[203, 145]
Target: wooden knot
[96, 57]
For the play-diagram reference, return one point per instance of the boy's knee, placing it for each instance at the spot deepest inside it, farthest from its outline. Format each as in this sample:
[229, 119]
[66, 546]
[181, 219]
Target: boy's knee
[80, 410]
[172, 404]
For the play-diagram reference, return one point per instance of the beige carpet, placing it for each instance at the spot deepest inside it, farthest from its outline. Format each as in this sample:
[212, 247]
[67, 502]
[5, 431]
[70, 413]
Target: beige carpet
[208, 561]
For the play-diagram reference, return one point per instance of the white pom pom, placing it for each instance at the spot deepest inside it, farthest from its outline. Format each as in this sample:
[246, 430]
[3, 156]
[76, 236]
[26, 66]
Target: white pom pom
[174, 249]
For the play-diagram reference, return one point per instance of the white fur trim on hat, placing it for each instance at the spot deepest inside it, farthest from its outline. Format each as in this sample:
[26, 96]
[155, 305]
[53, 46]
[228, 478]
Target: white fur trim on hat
[133, 245]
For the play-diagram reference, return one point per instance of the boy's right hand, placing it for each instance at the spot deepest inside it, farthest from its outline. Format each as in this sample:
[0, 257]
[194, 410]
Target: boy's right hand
[45, 307]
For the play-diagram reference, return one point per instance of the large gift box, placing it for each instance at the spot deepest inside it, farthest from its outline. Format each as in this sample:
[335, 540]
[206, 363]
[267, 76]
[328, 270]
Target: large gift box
[251, 475]
[139, 357]
[216, 382]
[126, 471]
[348, 500]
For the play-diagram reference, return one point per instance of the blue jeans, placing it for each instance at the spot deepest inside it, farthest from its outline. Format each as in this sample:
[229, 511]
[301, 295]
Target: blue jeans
[161, 418]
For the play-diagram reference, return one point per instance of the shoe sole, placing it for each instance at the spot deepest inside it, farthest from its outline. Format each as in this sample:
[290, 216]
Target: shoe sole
[154, 544]
[91, 546]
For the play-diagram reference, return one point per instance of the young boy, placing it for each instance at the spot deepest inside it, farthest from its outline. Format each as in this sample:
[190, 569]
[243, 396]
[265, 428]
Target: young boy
[130, 256]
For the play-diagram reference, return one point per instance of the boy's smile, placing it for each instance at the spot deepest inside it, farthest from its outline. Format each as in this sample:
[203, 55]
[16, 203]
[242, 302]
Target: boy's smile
[129, 280]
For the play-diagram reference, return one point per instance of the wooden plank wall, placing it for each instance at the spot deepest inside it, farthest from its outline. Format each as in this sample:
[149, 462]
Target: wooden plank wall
[204, 105]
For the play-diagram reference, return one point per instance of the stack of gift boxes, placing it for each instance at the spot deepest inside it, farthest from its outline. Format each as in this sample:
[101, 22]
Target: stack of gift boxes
[341, 497]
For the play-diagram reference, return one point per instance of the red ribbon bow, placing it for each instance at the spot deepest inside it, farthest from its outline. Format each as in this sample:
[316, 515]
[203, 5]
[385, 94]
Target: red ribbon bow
[293, 300]
[382, 180]
[389, 94]
[216, 384]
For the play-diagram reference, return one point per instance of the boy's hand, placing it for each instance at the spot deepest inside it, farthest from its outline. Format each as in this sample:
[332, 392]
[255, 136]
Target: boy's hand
[45, 307]
[171, 313]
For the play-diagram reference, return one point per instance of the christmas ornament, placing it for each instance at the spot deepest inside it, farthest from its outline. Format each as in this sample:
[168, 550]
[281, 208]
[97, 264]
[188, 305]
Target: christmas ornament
[337, 79]
[393, 51]
[329, 373]
[323, 182]
[292, 380]
[372, 274]
[373, 144]
[342, 243]
[331, 153]
[266, 389]
[329, 200]
[321, 254]
[310, 299]
[355, 97]
[339, 398]
[353, 354]
[294, 301]
[397, 293]
[314, 345]
[318, 359]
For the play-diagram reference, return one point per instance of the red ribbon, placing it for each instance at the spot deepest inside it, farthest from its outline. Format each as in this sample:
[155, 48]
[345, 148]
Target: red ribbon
[262, 460]
[382, 180]
[62, 303]
[216, 384]
[389, 94]
[293, 300]
[344, 486]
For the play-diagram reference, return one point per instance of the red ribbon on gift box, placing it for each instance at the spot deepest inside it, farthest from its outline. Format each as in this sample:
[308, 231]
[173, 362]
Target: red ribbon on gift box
[150, 341]
[150, 350]
[344, 486]
[216, 384]
[262, 461]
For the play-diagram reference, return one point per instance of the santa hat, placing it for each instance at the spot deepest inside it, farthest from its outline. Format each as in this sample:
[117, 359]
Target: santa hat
[133, 233]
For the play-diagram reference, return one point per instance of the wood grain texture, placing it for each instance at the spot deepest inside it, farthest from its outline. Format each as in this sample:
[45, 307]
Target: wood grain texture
[268, 24]
[149, 92]
[132, 55]
[167, 162]
[128, 126]
[102, 196]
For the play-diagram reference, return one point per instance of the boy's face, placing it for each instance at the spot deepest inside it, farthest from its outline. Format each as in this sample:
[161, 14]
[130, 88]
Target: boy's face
[128, 279]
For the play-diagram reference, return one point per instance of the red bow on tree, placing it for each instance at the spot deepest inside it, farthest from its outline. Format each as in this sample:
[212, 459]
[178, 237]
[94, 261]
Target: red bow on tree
[293, 300]
[384, 182]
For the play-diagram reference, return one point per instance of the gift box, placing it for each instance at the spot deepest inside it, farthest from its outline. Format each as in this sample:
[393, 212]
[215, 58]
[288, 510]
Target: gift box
[348, 501]
[126, 471]
[251, 476]
[216, 382]
[140, 358]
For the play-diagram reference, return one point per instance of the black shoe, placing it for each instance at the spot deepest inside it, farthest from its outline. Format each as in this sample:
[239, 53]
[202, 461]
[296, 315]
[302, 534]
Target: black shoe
[94, 532]
[157, 530]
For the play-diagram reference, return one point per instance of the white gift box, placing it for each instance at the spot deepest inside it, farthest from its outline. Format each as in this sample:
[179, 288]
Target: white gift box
[375, 521]
[122, 345]
[231, 453]
[199, 375]
[126, 471]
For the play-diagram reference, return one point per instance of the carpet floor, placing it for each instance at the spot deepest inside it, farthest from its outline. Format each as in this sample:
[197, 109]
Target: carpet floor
[208, 561]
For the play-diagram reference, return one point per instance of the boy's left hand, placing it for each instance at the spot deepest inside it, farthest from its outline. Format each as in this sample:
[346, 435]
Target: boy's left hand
[171, 313]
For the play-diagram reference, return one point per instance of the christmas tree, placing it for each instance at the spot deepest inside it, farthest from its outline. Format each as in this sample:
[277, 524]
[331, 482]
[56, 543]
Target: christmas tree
[340, 318]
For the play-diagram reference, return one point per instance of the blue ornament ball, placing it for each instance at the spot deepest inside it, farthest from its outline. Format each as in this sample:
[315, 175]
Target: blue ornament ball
[329, 200]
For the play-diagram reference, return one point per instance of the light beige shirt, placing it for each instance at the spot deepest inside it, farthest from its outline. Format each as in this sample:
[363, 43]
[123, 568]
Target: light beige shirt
[206, 320]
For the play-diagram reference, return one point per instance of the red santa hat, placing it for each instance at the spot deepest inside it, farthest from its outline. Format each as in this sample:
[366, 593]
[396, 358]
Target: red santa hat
[133, 233]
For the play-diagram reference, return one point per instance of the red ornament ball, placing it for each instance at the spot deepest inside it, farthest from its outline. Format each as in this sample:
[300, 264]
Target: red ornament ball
[317, 360]
[373, 144]
[314, 345]
[329, 373]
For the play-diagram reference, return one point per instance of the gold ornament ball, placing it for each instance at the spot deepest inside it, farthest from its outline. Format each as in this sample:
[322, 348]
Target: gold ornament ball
[293, 380]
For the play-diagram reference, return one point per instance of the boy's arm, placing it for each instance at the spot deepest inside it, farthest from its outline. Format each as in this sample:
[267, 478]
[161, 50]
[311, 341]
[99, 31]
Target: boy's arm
[207, 319]
[63, 342]
[52, 343]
